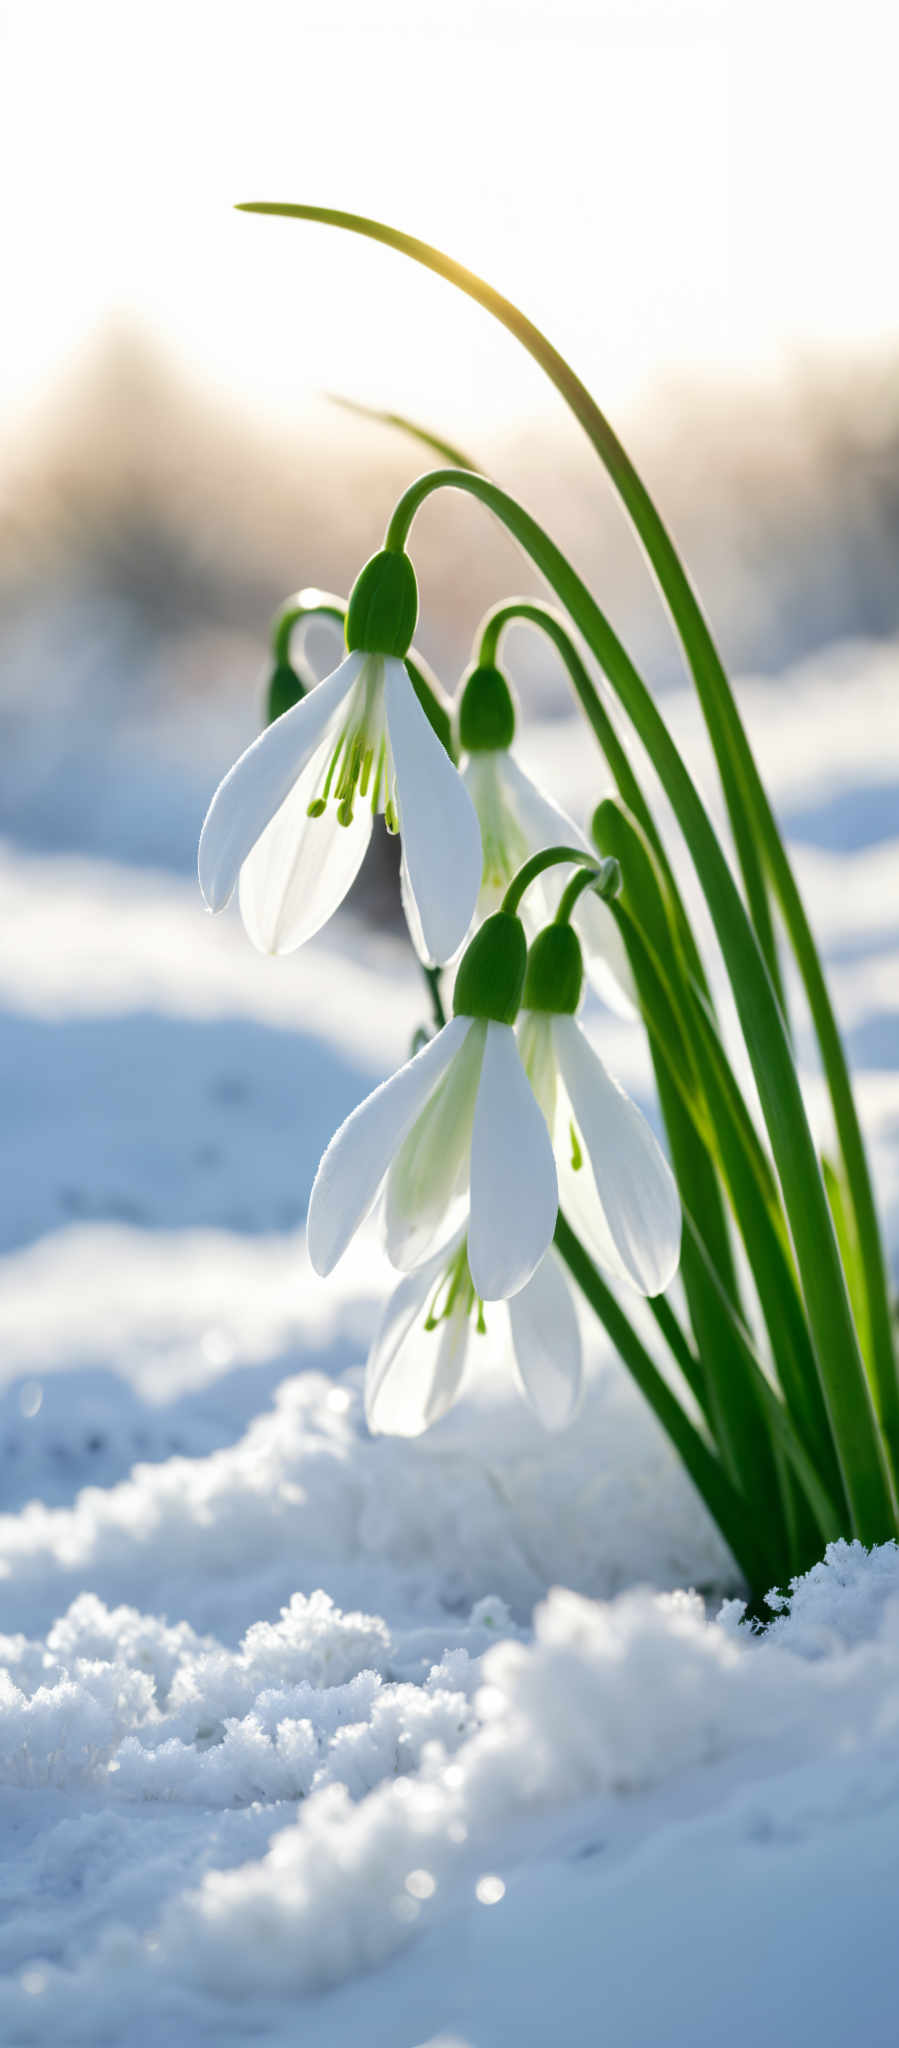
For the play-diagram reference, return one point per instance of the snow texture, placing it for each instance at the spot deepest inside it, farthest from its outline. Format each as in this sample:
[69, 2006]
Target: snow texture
[312, 1736]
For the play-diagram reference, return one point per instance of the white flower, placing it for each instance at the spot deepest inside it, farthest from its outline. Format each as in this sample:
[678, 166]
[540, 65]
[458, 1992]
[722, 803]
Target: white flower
[433, 1323]
[293, 817]
[615, 1186]
[457, 1129]
[516, 820]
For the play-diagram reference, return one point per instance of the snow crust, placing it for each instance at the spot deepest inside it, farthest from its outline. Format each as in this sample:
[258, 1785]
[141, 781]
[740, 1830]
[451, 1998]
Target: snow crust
[306, 1735]
[631, 1735]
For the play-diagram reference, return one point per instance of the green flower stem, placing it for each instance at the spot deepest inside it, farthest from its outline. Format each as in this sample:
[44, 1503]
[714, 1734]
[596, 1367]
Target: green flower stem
[725, 1504]
[689, 622]
[604, 883]
[550, 857]
[550, 622]
[839, 1360]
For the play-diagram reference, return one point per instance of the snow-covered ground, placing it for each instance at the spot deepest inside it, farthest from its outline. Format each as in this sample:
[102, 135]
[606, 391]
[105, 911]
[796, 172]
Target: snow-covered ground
[286, 1754]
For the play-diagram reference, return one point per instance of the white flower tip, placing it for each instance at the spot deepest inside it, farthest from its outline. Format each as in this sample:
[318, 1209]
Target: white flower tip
[319, 1260]
[668, 1248]
[407, 1425]
[216, 882]
[650, 1265]
[322, 1243]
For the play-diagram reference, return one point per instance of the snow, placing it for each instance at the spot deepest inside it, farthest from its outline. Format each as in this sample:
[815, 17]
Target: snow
[310, 1735]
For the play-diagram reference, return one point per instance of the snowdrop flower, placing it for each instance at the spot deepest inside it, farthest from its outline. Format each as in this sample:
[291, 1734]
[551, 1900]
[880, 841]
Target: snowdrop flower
[615, 1186]
[517, 820]
[457, 1130]
[292, 819]
[433, 1323]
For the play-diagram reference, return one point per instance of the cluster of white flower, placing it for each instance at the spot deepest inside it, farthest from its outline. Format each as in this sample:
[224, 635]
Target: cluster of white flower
[508, 1110]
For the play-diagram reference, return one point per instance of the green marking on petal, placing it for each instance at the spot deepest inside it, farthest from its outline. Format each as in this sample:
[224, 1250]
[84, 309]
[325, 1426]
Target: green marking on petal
[577, 1157]
[454, 1294]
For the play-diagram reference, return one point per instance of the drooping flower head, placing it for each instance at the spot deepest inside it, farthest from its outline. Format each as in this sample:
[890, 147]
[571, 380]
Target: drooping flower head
[434, 1325]
[292, 819]
[456, 1134]
[518, 820]
[615, 1186]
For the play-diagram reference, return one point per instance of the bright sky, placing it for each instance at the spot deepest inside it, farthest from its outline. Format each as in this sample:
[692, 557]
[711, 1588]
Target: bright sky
[661, 183]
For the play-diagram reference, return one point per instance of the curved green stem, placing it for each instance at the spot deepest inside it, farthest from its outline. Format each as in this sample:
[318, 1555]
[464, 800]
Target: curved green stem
[549, 857]
[690, 625]
[530, 612]
[838, 1358]
[605, 882]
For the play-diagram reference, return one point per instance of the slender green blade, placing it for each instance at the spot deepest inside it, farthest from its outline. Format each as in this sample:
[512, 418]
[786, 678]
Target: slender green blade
[445, 449]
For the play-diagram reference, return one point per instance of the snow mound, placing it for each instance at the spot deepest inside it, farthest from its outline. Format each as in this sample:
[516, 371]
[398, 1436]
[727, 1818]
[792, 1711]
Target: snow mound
[422, 1804]
[307, 1497]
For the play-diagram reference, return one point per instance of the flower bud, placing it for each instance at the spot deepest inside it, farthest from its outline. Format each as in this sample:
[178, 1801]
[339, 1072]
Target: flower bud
[486, 712]
[555, 972]
[383, 607]
[491, 972]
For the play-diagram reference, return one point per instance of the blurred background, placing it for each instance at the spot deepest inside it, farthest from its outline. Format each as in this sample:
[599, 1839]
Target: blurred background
[695, 201]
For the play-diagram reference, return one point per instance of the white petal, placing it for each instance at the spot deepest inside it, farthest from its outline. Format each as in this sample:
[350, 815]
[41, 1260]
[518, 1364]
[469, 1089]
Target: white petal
[542, 822]
[635, 1224]
[546, 1342]
[441, 836]
[349, 1176]
[534, 1032]
[431, 1167]
[410, 911]
[514, 1192]
[255, 788]
[413, 1375]
[504, 844]
[299, 871]
[605, 955]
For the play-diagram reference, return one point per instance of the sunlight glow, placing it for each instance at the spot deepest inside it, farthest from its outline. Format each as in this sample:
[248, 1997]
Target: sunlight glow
[643, 177]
